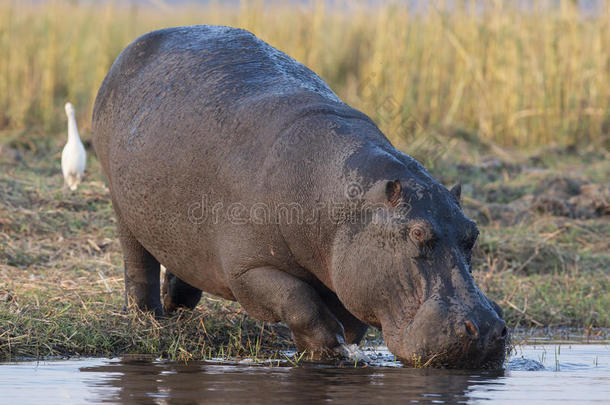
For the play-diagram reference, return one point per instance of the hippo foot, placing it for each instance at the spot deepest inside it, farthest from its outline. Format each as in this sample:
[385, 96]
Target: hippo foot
[176, 293]
[340, 354]
[352, 352]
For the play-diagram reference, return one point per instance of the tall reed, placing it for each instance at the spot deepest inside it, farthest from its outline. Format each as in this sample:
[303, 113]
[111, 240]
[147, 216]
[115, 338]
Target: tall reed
[515, 75]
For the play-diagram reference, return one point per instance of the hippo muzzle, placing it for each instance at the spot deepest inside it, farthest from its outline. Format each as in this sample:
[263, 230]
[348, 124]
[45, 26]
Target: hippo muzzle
[445, 334]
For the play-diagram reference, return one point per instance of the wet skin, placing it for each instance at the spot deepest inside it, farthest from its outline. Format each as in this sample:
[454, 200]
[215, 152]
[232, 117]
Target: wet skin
[243, 173]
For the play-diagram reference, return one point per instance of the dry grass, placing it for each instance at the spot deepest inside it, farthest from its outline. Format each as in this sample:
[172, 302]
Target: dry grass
[62, 285]
[502, 73]
[61, 281]
[446, 87]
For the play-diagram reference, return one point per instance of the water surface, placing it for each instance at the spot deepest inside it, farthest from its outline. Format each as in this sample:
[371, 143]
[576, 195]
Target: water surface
[563, 374]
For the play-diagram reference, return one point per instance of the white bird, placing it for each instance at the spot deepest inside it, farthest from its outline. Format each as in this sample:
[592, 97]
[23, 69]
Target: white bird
[73, 157]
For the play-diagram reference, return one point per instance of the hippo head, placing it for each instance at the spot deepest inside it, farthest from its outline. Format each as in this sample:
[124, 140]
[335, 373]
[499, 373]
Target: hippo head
[405, 266]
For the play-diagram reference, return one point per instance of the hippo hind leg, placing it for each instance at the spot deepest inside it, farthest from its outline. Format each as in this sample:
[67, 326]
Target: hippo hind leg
[141, 272]
[178, 294]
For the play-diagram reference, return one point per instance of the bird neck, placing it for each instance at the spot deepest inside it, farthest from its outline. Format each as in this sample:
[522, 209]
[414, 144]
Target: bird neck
[72, 129]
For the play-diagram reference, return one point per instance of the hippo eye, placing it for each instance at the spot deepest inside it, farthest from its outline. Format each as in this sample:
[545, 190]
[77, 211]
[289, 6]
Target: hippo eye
[418, 234]
[421, 236]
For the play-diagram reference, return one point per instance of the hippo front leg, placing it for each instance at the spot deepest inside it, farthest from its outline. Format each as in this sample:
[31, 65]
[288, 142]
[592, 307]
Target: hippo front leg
[272, 295]
[354, 328]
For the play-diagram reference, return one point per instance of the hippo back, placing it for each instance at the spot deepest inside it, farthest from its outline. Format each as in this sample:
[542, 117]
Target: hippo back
[213, 115]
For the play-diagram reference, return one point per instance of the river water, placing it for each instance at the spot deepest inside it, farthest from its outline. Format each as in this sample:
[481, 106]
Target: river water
[535, 374]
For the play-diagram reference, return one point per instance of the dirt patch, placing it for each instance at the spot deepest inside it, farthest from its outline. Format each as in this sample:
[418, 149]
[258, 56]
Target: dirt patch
[560, 196]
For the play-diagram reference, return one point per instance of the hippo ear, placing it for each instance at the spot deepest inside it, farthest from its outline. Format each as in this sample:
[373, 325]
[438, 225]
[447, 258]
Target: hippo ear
[392, 192]
[457, 192]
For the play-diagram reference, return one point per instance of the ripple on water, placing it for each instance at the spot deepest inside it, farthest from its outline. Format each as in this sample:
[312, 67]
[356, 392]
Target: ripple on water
[523, 364]
[535, 374]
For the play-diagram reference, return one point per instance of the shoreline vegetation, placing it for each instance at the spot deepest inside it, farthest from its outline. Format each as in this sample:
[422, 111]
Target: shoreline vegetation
[513, 104]
[542, 255]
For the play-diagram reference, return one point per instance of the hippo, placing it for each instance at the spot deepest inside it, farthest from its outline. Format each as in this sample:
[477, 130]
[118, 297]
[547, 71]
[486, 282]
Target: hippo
[240, 170]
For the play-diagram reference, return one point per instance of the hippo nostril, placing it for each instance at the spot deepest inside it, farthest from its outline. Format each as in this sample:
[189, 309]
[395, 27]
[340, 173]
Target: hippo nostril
[472, 329]
[500, 333]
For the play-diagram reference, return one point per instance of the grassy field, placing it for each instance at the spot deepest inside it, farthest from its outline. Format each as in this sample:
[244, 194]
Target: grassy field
[512, 104]
[515, 76]
[543, 255]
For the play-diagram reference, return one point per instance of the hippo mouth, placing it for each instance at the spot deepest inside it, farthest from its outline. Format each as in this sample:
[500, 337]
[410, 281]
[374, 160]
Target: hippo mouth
[458, 356]
[437, 338]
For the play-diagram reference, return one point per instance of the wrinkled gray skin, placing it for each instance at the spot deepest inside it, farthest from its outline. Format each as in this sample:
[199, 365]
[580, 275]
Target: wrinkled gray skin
[192, 122]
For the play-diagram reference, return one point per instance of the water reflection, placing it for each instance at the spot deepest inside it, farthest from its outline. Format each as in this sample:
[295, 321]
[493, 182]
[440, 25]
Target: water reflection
[169, 383]
[537, 374]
